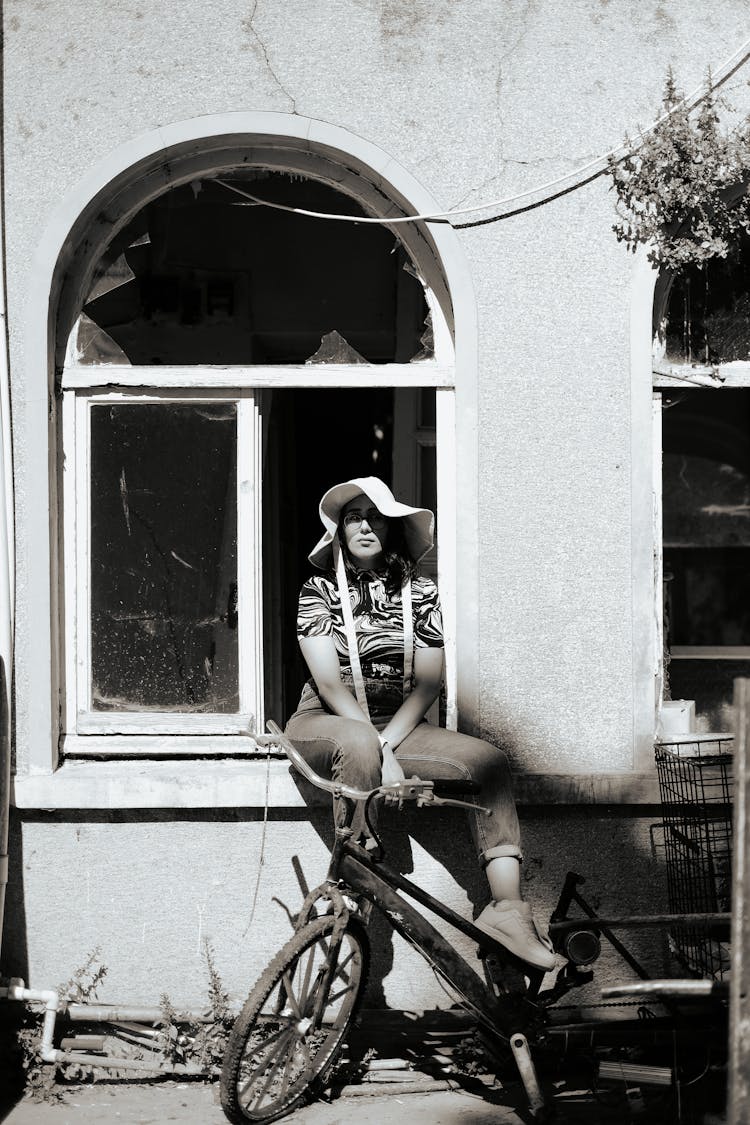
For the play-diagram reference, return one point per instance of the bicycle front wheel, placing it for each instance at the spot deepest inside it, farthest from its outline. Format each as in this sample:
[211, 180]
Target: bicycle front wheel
[293, 1024]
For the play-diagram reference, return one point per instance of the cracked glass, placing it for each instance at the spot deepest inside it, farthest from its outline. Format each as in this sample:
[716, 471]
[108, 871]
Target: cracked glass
[708, 312]
[205, 275]
[164, 557]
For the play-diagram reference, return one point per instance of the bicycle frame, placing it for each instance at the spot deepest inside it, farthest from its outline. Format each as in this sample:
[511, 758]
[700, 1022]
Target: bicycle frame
[364, 875]
[353, 868]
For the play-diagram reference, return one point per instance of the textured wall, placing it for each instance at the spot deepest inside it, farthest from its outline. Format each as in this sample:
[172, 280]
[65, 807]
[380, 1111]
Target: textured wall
[478, 101]
[146, 891]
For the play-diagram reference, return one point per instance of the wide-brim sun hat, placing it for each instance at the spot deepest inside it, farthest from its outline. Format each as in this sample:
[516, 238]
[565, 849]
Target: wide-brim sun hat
[418, 523]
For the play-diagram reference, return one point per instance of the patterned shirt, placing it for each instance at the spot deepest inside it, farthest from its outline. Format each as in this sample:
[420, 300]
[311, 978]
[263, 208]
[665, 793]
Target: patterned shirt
[378, 623]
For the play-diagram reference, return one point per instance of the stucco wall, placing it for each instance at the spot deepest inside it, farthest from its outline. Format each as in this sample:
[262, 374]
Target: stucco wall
[145, 890]
[477, 101]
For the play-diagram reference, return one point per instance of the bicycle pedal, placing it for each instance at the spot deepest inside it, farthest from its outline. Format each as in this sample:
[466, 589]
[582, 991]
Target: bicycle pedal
[504, 975]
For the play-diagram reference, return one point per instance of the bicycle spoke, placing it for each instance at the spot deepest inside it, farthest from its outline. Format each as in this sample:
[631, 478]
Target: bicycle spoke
[306, 982]
[285, 1076]
[341, 965]
[292, 1028]
[287, 980]
[265, 1061]
[270, 1078]
[334, 996]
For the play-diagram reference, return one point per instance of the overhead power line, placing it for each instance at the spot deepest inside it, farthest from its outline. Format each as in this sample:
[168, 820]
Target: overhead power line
[533, 197]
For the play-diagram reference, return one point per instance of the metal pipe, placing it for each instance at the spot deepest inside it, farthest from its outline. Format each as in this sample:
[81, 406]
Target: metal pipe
[110, 1061]
[678, 988]
[519, 1045]
[117, 1014]
[638, 921]
[632, 1072]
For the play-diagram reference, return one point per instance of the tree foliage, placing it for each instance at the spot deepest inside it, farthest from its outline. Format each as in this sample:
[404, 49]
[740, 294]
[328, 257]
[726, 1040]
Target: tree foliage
[683, 190]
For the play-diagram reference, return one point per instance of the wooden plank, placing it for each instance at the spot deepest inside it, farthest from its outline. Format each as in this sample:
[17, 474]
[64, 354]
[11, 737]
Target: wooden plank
[739, 987]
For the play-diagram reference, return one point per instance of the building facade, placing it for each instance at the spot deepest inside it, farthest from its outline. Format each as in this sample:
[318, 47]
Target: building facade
[193, 361]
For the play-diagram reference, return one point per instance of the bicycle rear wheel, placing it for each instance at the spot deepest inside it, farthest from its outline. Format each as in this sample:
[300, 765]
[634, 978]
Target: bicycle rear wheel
[293, 1024]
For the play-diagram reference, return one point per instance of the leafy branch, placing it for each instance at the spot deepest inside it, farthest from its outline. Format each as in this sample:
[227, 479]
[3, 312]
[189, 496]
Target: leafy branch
[683, 190]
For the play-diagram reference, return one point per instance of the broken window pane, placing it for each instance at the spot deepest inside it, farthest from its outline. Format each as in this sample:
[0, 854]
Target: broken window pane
[204, 276]
[91, 344]
[164, 557]
[334, 349]
[708, 311]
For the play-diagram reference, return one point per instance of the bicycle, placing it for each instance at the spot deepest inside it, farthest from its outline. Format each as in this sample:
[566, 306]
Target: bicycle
[295, 1021]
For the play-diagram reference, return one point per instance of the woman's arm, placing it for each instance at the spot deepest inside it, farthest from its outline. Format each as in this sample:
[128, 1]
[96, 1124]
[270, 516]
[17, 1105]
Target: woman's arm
[323, 662]
[428, 676]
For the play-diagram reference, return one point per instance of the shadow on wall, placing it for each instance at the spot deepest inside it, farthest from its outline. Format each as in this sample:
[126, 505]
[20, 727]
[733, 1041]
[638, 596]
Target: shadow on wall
[618, 851]
[14, 962]
[443, 834]
[14, 950]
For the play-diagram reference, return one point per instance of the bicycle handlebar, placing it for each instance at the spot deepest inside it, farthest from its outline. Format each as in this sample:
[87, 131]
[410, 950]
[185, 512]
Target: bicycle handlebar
[307, 771]
[410, 789]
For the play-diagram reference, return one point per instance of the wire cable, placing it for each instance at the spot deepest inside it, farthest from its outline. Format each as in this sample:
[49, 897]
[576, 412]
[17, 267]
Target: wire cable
[544, 193]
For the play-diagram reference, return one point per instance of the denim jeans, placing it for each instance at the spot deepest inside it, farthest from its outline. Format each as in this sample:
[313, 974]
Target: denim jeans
[348, 751]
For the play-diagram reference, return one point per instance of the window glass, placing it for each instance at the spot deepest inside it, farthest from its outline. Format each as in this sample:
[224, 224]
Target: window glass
[164, 557]
[708, 310]
[706, 526]
[205, 276]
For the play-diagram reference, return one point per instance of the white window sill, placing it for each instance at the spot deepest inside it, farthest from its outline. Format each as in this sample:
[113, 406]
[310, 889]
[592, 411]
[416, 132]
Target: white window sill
[206, 784]
[138, 784]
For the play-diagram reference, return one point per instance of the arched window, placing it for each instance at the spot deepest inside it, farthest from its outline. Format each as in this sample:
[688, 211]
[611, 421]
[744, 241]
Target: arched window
[228, 361]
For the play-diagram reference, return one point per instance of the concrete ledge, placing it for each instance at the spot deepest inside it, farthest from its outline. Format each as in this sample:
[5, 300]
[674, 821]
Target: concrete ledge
[587, 789]
[253, 783]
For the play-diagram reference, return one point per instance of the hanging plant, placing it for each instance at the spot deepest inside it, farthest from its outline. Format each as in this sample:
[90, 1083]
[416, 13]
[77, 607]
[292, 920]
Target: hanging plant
[683, 190]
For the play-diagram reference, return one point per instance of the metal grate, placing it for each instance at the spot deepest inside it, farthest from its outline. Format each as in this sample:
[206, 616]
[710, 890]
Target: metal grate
[695, 784]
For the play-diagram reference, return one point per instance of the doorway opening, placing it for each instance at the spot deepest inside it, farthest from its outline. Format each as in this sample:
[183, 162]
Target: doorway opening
[314, 439]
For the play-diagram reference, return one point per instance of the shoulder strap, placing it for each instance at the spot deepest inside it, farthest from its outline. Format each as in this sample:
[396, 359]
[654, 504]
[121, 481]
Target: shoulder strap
[406, 608]
[351, 635]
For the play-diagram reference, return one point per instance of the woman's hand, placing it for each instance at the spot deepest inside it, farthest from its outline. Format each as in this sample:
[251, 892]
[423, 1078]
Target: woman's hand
[391, 772]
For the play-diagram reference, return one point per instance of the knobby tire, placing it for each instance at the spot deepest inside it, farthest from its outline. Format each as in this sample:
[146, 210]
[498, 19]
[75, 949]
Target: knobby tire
[294, 1022]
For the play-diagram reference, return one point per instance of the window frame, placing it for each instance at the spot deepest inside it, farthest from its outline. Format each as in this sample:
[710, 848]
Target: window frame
[84, 733]
[79, 718]
[670, 376]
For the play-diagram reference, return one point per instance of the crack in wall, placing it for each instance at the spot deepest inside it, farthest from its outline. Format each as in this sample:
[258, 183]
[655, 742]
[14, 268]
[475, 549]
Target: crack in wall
[249, 24]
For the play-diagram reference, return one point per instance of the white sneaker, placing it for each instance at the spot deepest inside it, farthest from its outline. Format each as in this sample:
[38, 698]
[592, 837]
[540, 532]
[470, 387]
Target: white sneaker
[512, 924]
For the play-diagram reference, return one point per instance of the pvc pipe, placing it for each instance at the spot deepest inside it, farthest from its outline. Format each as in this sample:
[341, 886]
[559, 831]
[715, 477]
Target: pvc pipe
[51, 1001]
[94, 1013]
[82, 1043]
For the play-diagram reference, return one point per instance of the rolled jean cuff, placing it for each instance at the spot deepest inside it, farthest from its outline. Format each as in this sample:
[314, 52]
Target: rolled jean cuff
[503, 850]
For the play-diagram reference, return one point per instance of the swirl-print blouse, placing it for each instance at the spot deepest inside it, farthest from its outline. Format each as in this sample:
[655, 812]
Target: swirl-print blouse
[378, 623]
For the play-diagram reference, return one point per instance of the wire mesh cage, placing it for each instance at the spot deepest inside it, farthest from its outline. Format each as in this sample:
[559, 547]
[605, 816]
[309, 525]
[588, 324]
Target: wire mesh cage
[695, 785]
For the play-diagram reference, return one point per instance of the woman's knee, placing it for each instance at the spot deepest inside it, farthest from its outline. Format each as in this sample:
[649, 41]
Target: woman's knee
[489, 761]
[357, 757]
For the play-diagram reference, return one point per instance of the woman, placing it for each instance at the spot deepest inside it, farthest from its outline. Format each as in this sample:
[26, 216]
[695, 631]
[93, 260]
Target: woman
[370, 631]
